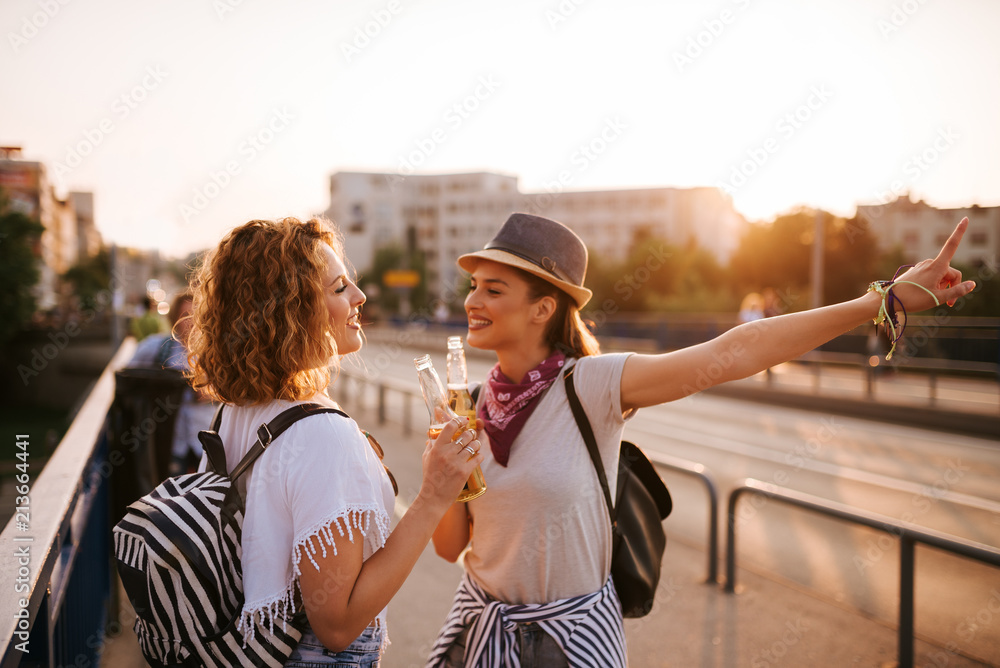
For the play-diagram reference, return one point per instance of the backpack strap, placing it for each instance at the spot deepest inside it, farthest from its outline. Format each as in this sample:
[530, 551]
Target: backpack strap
[266, 433]
[588, 437]
[217, 420]
[212, 444]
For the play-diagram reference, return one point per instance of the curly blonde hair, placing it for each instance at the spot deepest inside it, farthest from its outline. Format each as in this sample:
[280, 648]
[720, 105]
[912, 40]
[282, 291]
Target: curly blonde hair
[261, 328]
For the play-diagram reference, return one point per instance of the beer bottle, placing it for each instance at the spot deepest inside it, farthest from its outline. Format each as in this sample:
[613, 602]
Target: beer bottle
[441, 412]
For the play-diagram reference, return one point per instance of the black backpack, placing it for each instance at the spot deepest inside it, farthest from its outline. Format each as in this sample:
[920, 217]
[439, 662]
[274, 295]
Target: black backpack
[642, 503]
[178, 552]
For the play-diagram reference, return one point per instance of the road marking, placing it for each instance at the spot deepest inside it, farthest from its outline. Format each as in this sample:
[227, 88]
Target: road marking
[856, 475]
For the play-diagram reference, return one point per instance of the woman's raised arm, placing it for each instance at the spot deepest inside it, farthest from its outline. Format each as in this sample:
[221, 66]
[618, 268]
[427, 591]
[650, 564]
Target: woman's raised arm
[648, 380]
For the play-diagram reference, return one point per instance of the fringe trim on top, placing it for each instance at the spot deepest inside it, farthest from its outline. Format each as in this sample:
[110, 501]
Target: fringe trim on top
[282, 607]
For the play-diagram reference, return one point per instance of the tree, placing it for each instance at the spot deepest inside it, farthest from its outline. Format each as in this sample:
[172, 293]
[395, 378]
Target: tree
[389, 299]
[775, 255]
[89, 277]
[657, 276]
[778, 255]
[19, 271]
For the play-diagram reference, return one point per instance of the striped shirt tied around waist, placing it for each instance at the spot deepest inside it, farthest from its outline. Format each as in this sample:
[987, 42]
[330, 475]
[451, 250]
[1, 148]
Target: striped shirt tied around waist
[588, 628]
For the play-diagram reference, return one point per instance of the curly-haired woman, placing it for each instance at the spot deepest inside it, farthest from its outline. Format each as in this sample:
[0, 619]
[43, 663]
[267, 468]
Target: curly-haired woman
[274, 308]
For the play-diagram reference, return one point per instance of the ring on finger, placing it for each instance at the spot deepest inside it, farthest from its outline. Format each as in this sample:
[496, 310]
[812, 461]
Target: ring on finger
[472, 453]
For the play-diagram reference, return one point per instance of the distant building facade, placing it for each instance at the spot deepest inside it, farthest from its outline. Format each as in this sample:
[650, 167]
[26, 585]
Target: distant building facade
[70, 234]
[920, 230]
[446, 215]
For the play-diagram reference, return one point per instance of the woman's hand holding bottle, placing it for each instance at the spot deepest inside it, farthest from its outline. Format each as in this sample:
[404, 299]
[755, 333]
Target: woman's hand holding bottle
[449, 459]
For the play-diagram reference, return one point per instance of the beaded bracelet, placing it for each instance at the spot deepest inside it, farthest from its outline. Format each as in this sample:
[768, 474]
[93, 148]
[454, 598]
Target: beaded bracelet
[891, 305]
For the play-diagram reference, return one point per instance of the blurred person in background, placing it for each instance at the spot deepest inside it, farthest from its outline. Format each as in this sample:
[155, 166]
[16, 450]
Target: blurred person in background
[168, 351]
[751, 308]
[148, 323]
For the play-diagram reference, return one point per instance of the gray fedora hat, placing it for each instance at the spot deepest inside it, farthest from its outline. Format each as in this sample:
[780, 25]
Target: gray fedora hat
[542, 247]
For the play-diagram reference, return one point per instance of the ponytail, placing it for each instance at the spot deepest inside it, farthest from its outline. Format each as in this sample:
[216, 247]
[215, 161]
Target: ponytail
[566, 330]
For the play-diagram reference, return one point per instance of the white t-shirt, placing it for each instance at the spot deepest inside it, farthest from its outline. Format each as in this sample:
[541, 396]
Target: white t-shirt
[541, 532]
[320, 472]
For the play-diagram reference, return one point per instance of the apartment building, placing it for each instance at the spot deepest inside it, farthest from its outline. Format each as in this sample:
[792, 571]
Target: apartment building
[445, 215]
[920, 230]
[69, 233]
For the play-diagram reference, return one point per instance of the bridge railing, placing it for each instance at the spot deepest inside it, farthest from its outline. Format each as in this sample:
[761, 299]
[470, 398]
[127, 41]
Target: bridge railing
[908, 535]
[56, 567]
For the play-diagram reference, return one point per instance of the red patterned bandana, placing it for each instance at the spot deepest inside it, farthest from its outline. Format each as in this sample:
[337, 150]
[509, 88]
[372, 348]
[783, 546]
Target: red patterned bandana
[507, 406]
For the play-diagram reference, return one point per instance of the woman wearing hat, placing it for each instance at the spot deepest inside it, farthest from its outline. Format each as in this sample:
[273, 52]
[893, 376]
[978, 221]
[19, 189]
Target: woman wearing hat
[536, 589]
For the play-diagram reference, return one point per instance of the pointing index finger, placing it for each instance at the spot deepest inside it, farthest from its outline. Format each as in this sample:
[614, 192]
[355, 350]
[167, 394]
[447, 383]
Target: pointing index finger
[951, 245]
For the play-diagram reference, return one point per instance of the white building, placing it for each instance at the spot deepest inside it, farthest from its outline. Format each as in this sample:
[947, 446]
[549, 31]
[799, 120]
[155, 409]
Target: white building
[920, 230]
[446, 215]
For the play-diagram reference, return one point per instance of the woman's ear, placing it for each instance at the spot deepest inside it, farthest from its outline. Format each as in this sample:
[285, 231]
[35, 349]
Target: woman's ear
[543, 309]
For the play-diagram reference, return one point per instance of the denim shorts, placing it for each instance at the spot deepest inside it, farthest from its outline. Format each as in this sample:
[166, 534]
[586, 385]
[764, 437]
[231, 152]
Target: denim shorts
[364, 652]
[537, 649]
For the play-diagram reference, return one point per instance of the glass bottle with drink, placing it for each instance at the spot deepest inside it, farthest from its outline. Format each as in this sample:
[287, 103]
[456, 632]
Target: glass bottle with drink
[441, 412]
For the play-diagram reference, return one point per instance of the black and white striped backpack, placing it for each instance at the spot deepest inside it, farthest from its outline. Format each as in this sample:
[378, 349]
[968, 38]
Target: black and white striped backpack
[178, 551]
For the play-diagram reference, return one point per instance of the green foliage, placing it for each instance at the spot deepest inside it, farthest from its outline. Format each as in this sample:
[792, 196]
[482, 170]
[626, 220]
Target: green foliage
[389, 299]
[19, 269]
[985, 298]
[775, 255]
[779, 255]
[89, 277]
[657, 276]
[851, 259]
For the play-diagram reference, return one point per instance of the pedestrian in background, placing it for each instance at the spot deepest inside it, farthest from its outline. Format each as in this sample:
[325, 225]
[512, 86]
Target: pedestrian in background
[148, 323]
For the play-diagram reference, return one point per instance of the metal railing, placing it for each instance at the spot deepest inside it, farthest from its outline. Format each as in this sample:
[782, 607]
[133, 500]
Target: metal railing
[699, 472]
[930, 369]
[909, 536]
[385, 386]
[58, 584]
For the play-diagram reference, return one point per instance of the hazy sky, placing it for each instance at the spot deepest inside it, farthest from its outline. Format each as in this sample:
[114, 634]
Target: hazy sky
[189, 117]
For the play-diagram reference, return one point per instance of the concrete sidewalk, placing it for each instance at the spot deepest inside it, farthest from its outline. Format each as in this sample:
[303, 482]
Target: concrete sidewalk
[692, 623]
